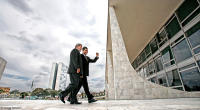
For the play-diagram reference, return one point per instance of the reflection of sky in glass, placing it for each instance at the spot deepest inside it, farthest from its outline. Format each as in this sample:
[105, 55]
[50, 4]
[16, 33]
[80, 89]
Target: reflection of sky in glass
[151, 67]
[181, 51]
[197, 50]
[191, 78]
[162, 79]
[195, 39]
[158, 64]
[198, 63]
[173, 78]
[166, 57]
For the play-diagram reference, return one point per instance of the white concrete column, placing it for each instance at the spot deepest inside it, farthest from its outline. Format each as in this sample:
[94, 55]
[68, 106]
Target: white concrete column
[110, 89]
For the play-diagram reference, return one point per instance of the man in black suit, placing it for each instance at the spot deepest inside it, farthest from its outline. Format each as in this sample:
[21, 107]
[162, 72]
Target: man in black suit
[85, 61]
[74, 71]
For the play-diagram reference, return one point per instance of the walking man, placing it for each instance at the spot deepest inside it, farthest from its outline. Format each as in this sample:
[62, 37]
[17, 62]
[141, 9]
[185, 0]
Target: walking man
[74, 71]
[85, 61]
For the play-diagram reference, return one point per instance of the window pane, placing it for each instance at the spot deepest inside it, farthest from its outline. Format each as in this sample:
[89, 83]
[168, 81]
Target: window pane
[153, 45]
[195, 39]
[187, 66]
[191, 17]
[134, 64]
[198, 63]
[173, 78]
[173, 27]
[167, 56]
[143, 56]
[162, 38]
[147, 51]
[193, 35]
[151, 68]
[158, 64]
[162, 80]
[139, 60]
[181, 51]
[191, 79]
[186, 8]
[197, 50]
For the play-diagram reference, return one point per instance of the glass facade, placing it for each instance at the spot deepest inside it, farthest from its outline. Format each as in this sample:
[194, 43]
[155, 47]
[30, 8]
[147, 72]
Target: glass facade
[173, 27]
[151, 67]
[174, 51]
[154, 46]
[191, 79]
[182, 51]
[193, 35]
[161, 37]
[158, 64]
[162, 79]
[173, 78]
[167, 57]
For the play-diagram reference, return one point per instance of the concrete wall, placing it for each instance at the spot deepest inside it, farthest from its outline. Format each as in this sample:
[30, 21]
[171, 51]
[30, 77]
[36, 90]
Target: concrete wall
[122, 81]
[2, 66]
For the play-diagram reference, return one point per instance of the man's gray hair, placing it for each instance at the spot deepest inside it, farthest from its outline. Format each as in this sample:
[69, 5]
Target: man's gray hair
[78, 44]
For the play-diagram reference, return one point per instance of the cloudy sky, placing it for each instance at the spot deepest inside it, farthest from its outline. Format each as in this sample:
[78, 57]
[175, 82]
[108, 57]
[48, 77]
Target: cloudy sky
[36, 33]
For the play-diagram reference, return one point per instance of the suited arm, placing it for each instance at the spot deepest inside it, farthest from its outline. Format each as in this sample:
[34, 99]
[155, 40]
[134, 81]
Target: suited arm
[93, 60]
[76, 59]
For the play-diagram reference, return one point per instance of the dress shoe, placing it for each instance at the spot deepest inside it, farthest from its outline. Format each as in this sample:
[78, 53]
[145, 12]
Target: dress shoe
[61, 98]
[91, 100]
[68, 99]
[75, 103]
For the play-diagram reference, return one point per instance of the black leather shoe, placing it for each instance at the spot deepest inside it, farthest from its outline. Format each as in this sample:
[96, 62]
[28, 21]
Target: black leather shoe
[75, 103]
[68, 99]
[61, 98]
[91, 100]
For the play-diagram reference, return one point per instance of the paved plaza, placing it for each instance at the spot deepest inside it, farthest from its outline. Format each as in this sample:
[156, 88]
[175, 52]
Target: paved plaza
[157, 104]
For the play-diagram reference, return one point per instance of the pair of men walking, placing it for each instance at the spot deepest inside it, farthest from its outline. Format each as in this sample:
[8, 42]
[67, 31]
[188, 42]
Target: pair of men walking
[78, 71]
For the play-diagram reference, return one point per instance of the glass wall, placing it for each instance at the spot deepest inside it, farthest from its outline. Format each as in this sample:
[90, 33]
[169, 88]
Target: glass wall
[191, 79]
[173, 78]
[181, 51]
[176, 64]
[187, 11]
[158, 64]
[162, 80]
[167, 57]
[173, 27]
[193, 35]
[161, 37]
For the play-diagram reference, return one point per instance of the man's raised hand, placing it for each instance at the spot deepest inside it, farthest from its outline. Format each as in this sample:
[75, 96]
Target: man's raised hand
[78, 70]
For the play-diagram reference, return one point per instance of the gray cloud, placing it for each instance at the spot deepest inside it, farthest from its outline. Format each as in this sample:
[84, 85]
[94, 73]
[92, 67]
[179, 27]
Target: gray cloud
[30, 44]
[21, 5]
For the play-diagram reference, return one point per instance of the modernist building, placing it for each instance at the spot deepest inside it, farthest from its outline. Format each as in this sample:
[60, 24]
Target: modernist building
[59, 77]
[153, 49]
[2, 66]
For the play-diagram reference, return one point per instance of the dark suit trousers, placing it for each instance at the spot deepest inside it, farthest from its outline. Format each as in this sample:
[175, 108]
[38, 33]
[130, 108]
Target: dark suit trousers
[83, 82]
[72, 87]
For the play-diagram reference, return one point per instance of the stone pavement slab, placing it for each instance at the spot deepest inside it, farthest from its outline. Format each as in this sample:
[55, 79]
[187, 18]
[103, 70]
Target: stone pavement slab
[156, 104]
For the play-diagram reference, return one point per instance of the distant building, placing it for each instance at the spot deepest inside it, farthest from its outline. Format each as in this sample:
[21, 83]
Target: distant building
[59, 77]
[2, 66]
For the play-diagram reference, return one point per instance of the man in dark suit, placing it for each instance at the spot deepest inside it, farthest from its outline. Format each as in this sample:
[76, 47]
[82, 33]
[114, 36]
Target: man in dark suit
[85, 61]
[74, 71]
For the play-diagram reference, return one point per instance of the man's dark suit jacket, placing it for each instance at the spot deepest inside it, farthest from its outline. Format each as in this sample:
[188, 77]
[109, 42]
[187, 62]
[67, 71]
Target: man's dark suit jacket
[75, 62]
[85, 61]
